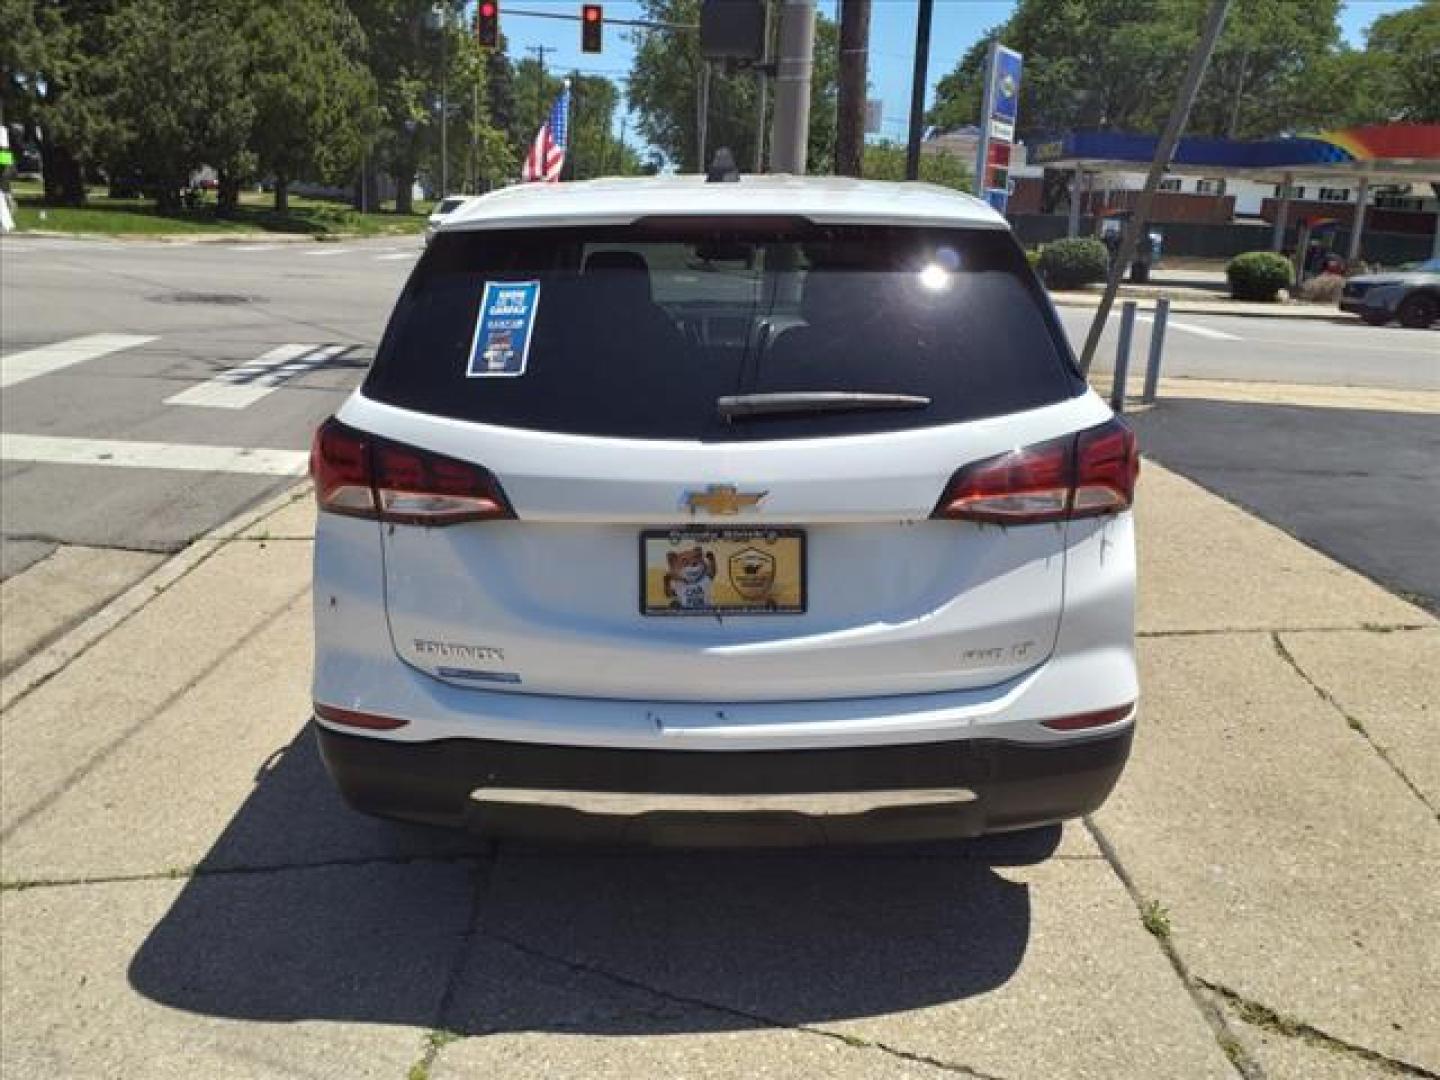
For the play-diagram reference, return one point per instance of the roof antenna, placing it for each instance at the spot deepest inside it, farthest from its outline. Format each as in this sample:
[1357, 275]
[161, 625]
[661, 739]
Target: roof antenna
[723, 169]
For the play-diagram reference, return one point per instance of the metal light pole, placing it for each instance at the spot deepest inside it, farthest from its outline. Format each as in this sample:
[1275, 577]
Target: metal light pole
[917, 91]
[792, 87]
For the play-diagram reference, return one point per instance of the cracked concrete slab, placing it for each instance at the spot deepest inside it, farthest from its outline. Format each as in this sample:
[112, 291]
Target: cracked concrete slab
[1297, 868]
[1008, 964]
[533, 1017]
[310, 974]
[56, 731]
[1381, 681]
[1284, 1056]
[1206, 565]
[46, 598]
[226, 776]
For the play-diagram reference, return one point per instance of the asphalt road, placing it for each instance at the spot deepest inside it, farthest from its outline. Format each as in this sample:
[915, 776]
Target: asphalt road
[1333, 352]
[234, 346]
[217, 360]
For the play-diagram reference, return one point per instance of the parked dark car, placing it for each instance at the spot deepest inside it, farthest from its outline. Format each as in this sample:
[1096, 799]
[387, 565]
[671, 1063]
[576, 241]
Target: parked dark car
[1411, 296]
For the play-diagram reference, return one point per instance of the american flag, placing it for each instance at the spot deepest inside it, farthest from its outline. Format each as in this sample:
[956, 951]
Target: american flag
[547, 153]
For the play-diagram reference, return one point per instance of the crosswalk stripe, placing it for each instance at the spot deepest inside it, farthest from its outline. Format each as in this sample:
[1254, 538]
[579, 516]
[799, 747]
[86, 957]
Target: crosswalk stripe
[255, 247]
[125, 453]
[32, 363]
[247, 383]
[401, 255]
[329, 251]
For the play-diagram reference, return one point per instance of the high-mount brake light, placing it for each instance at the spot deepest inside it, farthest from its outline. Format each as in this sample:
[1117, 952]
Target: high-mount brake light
[364, 476]
[1074, 476]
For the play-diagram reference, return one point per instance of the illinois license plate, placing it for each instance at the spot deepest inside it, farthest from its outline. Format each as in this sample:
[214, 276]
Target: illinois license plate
[731, 571]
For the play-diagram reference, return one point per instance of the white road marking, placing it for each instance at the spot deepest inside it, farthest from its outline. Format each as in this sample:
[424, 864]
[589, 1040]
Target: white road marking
[32, 363]
[1191, 328]
[328, 251]
[401, 255]
[256, 247]
[127, 454]
[247, 383]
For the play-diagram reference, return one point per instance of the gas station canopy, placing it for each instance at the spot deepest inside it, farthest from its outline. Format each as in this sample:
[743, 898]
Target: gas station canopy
[1383, 153]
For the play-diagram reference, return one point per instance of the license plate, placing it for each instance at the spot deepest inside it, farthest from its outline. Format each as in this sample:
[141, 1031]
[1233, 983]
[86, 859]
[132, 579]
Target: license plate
[730, 571]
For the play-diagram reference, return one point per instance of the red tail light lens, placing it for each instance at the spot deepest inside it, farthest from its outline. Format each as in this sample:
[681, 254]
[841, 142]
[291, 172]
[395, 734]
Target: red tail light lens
[1107, 463]
[1081, 721]
[351, 718]
[1075, 476]
[365, 476]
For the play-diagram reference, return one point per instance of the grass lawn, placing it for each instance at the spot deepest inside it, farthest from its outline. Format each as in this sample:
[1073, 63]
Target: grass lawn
[140, 217]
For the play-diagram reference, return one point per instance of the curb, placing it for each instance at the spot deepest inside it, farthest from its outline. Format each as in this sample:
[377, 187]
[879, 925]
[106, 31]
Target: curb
[1330, 315]
[56, 656]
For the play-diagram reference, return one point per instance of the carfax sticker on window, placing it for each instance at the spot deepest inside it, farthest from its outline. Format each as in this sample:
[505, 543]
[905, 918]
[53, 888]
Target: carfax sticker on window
[502, 331]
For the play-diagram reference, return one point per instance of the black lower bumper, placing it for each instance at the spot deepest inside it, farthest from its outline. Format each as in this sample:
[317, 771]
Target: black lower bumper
[1005, 785]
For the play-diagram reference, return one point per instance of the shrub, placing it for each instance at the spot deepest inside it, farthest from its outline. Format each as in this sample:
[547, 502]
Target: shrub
[1032, 256]
[1324, 289]
[1258, 275]
[1070, 263]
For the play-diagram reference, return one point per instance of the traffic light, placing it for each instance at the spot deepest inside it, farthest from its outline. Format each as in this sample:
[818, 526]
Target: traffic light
[592, 27]
[487, 24]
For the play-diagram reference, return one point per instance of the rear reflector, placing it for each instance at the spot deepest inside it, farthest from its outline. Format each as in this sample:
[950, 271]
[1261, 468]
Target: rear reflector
[350, 718]
[1080, 721]
[1074, 476]
[365, 476]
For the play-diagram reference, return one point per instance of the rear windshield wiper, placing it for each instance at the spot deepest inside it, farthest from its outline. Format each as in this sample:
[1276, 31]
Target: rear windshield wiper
[741, 406]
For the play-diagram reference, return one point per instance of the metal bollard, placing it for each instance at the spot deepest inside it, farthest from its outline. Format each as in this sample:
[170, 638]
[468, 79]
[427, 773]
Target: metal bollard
[1157, 348]
[1122, 356]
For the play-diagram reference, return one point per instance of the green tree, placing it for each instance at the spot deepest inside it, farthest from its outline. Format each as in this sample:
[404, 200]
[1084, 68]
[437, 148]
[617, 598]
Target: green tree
[51, 82]
[1116, 64]
[886, 161]
[665, 78]
[177, 101]
[313, 94]
[1404, 53]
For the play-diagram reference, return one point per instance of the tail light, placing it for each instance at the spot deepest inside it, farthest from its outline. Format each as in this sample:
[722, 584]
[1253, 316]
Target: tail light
[1075, 476]
[365, 476]
[351, 718]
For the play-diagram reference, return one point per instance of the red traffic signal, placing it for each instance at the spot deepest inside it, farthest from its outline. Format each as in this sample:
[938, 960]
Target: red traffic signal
[487, 24]
[592, 27]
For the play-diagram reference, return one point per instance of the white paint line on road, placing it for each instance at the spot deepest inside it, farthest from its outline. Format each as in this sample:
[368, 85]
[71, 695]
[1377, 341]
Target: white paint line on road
[401, 255]
[127, 454]
[1191, 328]
[32, 363]
[327, 252]
[249, 382]
[256, 247]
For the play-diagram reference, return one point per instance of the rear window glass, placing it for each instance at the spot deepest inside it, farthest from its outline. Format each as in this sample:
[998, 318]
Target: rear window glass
[639, 331]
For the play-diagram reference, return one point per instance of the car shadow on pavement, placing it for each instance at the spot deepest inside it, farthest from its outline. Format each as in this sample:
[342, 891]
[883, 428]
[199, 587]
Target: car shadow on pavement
[1358, 484]
[306, 910]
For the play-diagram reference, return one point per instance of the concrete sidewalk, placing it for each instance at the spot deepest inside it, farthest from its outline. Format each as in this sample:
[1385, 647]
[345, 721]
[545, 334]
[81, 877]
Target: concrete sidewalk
[183, 894]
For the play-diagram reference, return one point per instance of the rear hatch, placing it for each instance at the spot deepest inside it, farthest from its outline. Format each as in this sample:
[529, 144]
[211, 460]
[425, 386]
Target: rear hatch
[718, 446]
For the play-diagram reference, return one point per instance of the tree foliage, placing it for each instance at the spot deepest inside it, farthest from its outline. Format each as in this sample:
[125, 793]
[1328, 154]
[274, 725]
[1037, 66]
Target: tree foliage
[1279, 67]
[665, 84]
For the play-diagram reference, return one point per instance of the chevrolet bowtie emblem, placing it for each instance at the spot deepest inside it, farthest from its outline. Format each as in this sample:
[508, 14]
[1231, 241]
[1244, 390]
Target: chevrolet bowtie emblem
[722, 499]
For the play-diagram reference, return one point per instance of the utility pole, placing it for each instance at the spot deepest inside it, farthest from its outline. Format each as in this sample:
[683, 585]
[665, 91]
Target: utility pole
[792, 87]
[850, 121]
[444, 101]
[1199, 59]
[917, 90]
[702, 113]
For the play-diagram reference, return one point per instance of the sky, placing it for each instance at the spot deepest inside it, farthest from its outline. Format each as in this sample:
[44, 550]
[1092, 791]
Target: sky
[957, 25]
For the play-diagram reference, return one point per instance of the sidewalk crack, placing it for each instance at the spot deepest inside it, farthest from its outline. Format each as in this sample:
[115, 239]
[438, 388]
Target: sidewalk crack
[853, 1041]
[1157, 922]
[1351, 721]
[1262, 1016]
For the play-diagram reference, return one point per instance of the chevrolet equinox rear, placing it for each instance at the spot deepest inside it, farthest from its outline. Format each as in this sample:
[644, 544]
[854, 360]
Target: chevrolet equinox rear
[762, 512]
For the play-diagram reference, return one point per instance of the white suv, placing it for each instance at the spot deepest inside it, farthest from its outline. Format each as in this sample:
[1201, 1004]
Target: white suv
[767, 511]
